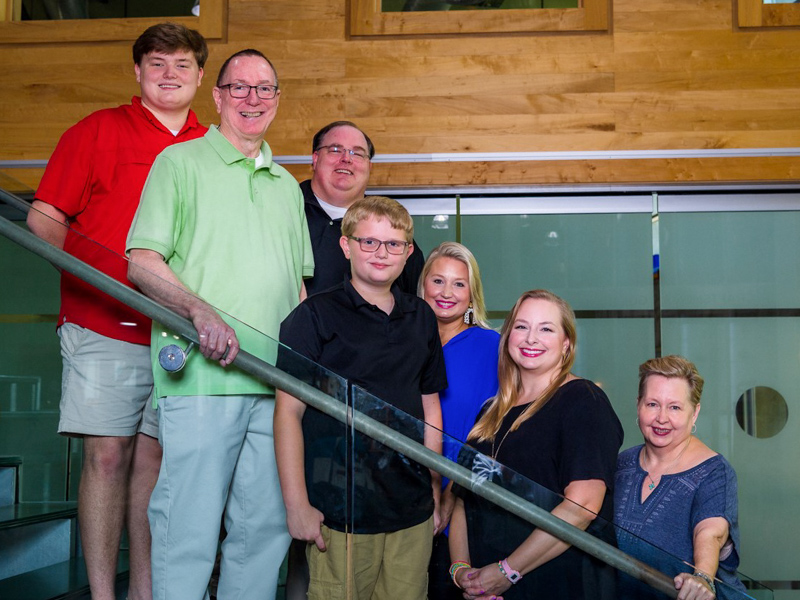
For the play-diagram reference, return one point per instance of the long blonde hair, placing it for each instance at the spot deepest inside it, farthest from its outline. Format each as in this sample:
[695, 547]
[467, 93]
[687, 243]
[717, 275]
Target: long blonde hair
[508, 372]
[462, 254]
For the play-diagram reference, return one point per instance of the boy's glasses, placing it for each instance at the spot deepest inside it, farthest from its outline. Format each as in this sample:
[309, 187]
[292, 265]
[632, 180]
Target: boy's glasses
[372, 245]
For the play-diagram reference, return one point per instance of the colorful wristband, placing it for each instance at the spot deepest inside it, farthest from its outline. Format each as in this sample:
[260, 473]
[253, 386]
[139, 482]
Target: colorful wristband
[509, 573]
[455, 568]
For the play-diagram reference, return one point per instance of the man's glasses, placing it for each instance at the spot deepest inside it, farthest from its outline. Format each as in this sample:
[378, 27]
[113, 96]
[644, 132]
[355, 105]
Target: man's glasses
[242, 90]
[372, 245]
[339, 151]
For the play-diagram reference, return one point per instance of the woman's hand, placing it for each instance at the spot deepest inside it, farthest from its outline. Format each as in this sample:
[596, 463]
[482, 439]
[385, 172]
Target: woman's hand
[692, 587]
[484, 583]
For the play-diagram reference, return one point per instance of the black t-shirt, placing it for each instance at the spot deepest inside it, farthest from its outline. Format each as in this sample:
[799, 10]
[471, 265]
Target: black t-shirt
[396, 357]
[330, 265]
[575, 436]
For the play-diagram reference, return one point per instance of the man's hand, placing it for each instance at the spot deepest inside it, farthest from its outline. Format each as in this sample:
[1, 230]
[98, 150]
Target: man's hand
[218, 340]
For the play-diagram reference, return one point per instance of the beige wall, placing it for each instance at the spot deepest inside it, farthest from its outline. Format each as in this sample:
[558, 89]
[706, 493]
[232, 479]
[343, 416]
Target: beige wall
[671, 74]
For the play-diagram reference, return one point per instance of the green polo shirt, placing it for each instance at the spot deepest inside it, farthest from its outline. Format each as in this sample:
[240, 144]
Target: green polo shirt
[237, 237]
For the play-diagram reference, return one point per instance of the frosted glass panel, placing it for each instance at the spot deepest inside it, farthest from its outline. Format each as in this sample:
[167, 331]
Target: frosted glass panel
[596, 262]
[609, 353]
[734, 355]
[730, 260]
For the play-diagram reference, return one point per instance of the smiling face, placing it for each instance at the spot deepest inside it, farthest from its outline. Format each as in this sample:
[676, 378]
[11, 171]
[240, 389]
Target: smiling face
[537, 340]
[374, 270]
[341, 180]
[446, 289]
[244, 121]
[665, 411]
[168, 82]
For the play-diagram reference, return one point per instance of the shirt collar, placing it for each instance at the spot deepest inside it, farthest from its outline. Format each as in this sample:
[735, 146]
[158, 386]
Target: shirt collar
[402, 302]
[191, 118]
[228, 151]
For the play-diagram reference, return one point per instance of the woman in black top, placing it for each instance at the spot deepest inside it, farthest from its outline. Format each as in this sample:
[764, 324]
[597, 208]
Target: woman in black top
[560, 432]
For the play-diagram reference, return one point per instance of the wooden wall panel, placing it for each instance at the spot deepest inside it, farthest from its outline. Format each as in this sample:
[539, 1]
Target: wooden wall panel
[669, 74]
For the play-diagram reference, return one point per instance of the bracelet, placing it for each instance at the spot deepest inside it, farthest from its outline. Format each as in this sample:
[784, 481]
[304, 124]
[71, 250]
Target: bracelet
[708, 579]
[509, 573]
[455, 568]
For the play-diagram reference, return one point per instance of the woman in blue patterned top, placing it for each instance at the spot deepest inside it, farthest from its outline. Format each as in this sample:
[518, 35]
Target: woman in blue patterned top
[674, 497]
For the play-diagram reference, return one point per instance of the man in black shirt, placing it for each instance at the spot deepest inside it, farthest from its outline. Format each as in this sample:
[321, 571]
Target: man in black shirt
[341, 160]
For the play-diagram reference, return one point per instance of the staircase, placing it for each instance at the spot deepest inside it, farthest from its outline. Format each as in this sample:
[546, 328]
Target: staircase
[39, 545]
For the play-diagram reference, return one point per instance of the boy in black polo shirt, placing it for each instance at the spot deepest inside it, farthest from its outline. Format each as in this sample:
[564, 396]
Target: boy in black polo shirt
[386, 342]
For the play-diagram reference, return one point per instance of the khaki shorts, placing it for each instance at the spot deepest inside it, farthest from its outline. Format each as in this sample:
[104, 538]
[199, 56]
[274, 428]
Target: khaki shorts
[106, 385]
[383, 566]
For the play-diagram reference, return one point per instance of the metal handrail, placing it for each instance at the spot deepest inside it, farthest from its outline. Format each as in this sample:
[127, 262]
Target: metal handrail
[503, 498]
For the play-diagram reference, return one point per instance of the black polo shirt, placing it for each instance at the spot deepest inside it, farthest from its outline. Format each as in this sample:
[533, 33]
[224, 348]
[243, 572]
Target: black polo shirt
[396, 357]
[330, 265]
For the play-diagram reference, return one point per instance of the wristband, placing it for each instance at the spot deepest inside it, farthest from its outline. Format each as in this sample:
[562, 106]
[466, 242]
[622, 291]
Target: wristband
[455, 568]
[509, 573]
[708, 579]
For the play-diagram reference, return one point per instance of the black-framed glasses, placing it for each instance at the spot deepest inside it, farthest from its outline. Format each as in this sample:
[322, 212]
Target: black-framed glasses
[372, 245]
[242, 90]
[339, 151]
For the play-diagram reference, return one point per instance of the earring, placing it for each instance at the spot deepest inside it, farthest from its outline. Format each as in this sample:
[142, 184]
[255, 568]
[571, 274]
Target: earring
[694, 428]
[469, 315]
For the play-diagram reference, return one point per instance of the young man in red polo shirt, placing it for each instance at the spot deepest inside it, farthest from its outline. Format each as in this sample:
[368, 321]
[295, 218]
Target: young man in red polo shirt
[85, 204]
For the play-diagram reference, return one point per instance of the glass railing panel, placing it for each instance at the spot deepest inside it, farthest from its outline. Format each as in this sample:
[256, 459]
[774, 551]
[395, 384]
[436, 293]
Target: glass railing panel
[200, 376]
[497, 531]
[30, 377]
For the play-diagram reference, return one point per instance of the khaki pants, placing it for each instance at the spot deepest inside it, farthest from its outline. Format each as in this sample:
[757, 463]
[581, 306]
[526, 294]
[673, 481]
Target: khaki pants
[381, 566]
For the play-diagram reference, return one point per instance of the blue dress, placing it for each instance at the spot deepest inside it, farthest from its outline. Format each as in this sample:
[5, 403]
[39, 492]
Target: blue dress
[470, 360]
[668, 516]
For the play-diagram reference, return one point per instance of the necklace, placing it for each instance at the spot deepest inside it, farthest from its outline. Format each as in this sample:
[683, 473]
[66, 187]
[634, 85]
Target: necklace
[496, 452]
[652, 483]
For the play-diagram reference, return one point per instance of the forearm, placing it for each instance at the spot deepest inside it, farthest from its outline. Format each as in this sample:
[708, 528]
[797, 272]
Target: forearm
[458, 541]
[432, 436]
[48, 222]
[709, 537]
[148, 271]
[583, 501]
[289, 449]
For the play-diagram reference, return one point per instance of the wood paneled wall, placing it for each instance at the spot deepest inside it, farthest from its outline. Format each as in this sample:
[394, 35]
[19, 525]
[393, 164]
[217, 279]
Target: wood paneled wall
[670, 74]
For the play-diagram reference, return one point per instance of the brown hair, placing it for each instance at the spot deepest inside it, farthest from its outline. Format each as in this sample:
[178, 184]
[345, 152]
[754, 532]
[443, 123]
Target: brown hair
[462, 254]
[672, 366]
[316, 143]
[379, 207]
[508, 372]
[170, 38]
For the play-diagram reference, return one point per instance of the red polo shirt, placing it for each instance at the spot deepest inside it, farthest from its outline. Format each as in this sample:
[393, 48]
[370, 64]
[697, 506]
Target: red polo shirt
[96, 176]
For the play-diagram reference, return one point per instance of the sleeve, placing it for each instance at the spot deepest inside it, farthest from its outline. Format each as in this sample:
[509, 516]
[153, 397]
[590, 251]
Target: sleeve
[67, 180]
[308, 251]
[434, 377]
[713, 495]
[157, 223]
[591, 437]
[717, 497]
[411, 272]
[301, 345]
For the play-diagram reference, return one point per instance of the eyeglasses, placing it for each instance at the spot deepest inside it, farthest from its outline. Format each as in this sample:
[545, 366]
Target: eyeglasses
[242, 90]
[372, 245]
[339, 151]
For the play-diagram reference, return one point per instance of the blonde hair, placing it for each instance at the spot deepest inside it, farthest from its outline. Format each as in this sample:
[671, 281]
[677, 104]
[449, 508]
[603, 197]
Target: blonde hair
[672, 366]
[379, 207]
[508, 372]
[462, 254]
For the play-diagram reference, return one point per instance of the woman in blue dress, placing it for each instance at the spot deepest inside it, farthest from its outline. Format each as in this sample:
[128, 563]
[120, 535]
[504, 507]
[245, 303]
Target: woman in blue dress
[451, 284]
[675, 498]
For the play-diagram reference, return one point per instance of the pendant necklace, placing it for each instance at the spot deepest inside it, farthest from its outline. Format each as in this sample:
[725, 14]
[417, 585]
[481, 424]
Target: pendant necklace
[652, 483]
